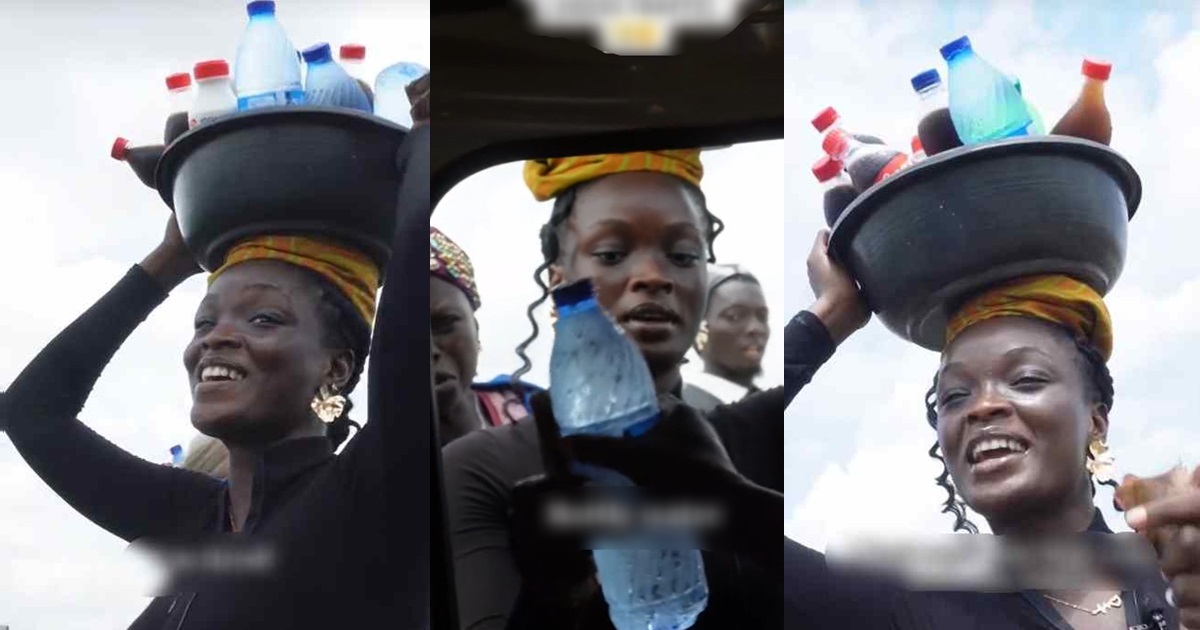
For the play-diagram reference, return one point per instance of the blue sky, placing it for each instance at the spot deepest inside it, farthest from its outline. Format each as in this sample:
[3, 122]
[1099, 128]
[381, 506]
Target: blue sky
[856, 437]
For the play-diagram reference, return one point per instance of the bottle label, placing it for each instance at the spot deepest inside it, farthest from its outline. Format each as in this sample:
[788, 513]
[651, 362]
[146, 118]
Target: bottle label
[896, 165]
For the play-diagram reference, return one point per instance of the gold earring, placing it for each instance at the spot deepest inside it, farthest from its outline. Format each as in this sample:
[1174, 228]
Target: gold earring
[328, 404]
[702, 337]
[553, 315]
[1101, 464]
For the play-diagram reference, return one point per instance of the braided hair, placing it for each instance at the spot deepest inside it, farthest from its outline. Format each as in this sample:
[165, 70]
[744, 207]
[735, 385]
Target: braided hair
[563, 204]
[342, 327]
[1100, 385]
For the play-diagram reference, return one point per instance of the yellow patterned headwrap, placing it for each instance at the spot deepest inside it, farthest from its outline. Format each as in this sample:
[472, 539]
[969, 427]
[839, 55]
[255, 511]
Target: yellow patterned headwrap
[449, 262]
[547, 178]
[353, 273]
[1053, 298]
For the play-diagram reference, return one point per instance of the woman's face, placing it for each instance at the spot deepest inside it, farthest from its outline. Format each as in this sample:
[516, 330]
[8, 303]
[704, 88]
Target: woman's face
[737, 327]
[640, 239]
[455, 346]
[1015, 414]
[257, 358]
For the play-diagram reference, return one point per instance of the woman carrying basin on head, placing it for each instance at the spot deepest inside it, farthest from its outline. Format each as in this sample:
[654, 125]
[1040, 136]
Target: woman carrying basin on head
[463, 404]
[637, 225]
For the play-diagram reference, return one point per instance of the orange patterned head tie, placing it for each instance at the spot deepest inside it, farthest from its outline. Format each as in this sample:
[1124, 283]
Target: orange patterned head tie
[353, 273]
[548, 178]
[1053, 298]
[448, 261]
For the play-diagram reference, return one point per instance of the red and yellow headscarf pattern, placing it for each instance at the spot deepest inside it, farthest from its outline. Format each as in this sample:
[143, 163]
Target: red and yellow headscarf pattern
[548, 178]
[1053, 298]
[351, 272]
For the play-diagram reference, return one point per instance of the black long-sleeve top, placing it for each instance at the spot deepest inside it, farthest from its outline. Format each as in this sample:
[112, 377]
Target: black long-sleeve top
[344, 556]
[482, 468]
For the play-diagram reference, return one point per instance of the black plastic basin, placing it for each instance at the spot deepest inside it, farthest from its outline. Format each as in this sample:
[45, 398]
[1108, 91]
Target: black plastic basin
[922, 241]
[291, 170]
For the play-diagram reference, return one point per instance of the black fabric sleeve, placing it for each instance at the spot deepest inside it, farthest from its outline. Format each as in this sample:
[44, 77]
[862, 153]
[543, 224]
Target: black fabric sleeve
[128, 496]
[752, 428]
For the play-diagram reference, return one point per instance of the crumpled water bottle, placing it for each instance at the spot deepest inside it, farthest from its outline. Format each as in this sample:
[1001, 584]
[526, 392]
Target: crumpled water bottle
[391, 99]
[600, 385]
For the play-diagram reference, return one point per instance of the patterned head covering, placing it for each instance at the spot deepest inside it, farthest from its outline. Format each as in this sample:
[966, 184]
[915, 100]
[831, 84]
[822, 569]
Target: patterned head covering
[350, 271]
[1053, 298]
[449, 262]
[548, 178]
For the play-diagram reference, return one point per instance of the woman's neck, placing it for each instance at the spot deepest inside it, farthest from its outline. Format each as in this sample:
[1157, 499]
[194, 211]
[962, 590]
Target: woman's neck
[243, 462]
[1072, 518]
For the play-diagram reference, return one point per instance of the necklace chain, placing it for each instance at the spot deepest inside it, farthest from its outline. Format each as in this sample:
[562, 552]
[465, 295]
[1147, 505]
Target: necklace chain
[1101, 609]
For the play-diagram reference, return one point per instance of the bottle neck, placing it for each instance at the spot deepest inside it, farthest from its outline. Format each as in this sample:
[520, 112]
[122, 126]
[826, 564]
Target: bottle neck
[1093, 88]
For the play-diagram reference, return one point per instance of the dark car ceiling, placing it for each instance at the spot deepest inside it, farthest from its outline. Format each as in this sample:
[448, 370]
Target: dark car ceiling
[506, 94]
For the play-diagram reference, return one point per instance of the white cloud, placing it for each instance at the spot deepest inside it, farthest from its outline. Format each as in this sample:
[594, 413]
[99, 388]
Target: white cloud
[74, 221]
[857, 436]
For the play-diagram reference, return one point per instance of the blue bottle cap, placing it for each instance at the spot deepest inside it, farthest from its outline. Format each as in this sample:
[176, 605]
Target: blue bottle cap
[926, 79]
[953, 48]
[176, 450]
[318, 53]
[261, 7]
[574, 293]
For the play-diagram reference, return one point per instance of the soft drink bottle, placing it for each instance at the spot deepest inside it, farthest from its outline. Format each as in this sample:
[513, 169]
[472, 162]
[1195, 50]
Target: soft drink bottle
[214, 93]
[936, 129]
[839, 190]
[828, 119]
[600, 385]
[328, 84]
[391, 99]
[267, 69]
[984, 103]
[179, 87]
[1037, 127]
[1089, 118]
[867, 164]
[918, 151]
[351, 56]
[143, 160]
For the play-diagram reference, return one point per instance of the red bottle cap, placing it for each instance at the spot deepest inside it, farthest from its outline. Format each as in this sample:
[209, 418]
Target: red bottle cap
[917, 147]
[826, 169]
[357, 52]
[211, 69]
[836, 143]
[178, 81]
[1098, 70]
[825, 119]
[120, 149]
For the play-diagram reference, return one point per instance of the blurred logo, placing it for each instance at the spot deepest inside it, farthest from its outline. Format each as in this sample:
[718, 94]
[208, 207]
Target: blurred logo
[637, 27]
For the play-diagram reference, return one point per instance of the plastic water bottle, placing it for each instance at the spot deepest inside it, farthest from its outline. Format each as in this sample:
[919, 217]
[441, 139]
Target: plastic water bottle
[179, 87]
[601, 385]
[984, 103]
[1038, 126]
[177, 456]
[352, 56]
[328, 84]
[214, 93]
[267, 69]
[391, 99]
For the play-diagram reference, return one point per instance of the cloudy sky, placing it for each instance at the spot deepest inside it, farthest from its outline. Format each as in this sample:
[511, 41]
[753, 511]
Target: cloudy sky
[74, 221]
[857, 437]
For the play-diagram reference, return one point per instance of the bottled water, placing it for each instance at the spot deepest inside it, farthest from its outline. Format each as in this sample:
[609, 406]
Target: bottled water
[601, 385]
[267, 71]
[329, 84]
[391, 99]
[984, 103]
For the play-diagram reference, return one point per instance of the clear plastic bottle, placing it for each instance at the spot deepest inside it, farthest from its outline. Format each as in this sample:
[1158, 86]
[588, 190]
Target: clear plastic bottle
[984, 103]
[936, 129]
[214, 93]
[352, 56]
[1037, 127]
[177, 456]
[179, 89]
[267, 69]
[839, 191]
[328, 84]
[829, 119]
[867, 164]
[1089, 117]
[600, 385]
[391, 99]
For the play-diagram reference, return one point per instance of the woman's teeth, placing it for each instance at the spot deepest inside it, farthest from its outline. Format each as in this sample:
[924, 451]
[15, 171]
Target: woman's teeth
[998, 444]
[221, 373]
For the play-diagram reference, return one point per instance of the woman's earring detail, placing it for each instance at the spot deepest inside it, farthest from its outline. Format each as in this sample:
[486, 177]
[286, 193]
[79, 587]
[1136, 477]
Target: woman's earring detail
[328, 405]
[1101, 464]
[702, 337]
